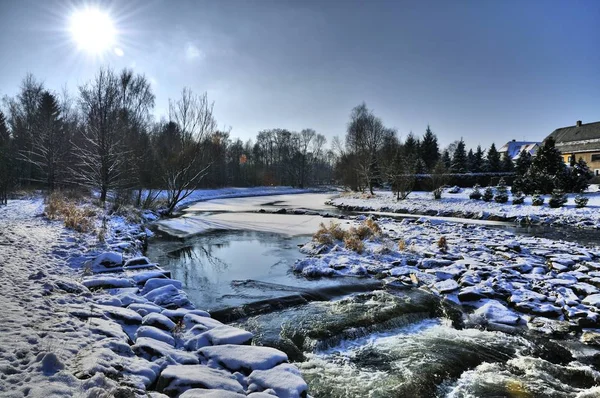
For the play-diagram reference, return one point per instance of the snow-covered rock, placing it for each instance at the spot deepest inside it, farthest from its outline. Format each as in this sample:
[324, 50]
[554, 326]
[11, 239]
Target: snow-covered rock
[242, 358]
[284, 379]
[176, 379]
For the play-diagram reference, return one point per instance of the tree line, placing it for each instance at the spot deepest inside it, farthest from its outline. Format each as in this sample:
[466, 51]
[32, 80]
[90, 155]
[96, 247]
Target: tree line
[105, 138]
[373, 155]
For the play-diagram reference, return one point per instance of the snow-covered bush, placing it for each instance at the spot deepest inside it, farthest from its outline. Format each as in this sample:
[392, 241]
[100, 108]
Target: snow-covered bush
[437, 193]
[581, 201]
[488, 194]
[558, 199]
[326, 235]
[537, 199]
[501, 192]
[475, 193]
[518, 198]
[454, 189]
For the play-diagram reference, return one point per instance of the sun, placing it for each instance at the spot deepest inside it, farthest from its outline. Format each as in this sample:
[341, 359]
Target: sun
[93, 30]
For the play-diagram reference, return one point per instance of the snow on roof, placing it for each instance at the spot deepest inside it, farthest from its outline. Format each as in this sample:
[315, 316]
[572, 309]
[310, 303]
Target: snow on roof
[514, 148]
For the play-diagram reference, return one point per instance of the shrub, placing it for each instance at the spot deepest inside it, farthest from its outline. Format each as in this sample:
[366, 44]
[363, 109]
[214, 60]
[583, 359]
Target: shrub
[581, 201]
[488, 194]
[537, 199]
[558, 199]
[518, 198]
[501, 192]
[353, 243]
[373, 226]
[60, 207]
[401, 245]
[437, 193]
[326, 235]
[476, 193]
[454, 189]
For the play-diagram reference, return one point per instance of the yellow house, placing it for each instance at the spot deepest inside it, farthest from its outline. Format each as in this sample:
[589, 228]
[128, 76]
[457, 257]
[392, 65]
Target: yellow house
[580, 141]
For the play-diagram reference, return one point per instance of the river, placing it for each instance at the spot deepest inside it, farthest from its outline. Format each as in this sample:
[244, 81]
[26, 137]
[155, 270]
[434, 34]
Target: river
[350, 337]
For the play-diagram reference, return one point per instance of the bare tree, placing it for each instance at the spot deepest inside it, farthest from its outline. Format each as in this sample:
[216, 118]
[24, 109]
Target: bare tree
[192, 115]
[305, 138]
[101, 153]
[6, 163]
[365, 137]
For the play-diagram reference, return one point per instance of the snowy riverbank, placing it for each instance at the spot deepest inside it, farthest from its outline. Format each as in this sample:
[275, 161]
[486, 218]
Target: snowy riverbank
[107, 323]
[512, 281]
[459, 205]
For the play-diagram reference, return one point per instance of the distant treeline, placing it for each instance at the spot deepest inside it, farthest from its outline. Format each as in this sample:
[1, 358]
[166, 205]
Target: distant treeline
[104, 138]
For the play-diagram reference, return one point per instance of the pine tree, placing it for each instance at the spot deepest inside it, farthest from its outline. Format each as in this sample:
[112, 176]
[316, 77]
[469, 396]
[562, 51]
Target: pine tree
[459, 160]
[478, 164]
[507, 164]
[470, 159]
[523, 163]
[580, 176]
[537, 199]
[476, 192]
[493, 160]
[518, 198]
[558, 199]
[411, 147]
[420, 167]
[446, 159]
[429, 150]
[548, 167]
[488, 194]
[581, 201]
[501, 192]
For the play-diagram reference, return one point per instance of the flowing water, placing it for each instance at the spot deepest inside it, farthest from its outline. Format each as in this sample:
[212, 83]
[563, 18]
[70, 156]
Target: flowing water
[349, 337]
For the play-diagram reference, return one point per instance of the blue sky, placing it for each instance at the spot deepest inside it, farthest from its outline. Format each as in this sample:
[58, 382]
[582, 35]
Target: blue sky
[487, 71]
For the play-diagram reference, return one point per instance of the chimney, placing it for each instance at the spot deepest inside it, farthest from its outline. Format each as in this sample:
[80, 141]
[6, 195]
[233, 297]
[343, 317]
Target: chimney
[578, 123]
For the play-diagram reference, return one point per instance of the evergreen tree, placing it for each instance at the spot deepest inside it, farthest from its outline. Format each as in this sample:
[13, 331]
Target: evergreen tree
[475, 193]
[446, 159]
[429, 150]
[493, 160]
[507, 164]
[558, 198]
[488, 194]
[420, 167]
[470, 159]
[501, 192]
[478, 164]
[523, 163]
[411, 147]
[579, 176]
[548, 168]
[459, 160]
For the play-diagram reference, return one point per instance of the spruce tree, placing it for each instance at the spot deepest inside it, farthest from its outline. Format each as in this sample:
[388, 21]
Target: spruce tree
[493, 160]
[429, 150]
[459, 160]
[548, 168]
[446, 159]
[523, 163]
[470, 160]
[501, 192]
[507, 164]
[478, 164]
[411, 147]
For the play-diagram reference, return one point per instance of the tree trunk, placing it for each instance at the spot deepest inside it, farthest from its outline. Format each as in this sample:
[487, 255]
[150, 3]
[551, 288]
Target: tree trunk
[103, 192]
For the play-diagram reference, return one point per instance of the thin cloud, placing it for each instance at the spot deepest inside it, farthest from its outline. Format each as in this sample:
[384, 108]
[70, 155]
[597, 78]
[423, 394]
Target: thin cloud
[192, 52]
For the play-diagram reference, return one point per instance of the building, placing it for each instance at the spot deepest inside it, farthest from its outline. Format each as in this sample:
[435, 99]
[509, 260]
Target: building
[514, 148]
[580, 141]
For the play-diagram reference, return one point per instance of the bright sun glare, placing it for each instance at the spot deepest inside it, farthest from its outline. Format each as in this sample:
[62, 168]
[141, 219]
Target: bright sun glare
[93, 30]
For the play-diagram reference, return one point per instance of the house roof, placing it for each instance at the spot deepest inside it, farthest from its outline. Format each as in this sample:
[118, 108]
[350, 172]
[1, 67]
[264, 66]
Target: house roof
[585, 137]
[514, 148]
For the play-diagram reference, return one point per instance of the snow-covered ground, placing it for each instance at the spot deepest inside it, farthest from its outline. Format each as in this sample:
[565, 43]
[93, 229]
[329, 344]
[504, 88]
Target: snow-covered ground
[512, 280]
[77, 321]
[459, 205]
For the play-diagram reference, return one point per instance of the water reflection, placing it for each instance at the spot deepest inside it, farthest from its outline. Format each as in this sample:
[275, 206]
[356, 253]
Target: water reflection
[231, 268]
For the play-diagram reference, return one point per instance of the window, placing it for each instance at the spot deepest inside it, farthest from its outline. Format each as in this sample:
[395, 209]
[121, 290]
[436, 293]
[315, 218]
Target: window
[597, 172]
[596, 157]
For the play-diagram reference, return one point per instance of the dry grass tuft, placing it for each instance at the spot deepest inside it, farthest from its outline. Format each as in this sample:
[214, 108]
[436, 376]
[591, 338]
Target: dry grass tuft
[61, 207]
[401, 245]
[326, 235]
[354, 243]
[443, 244]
